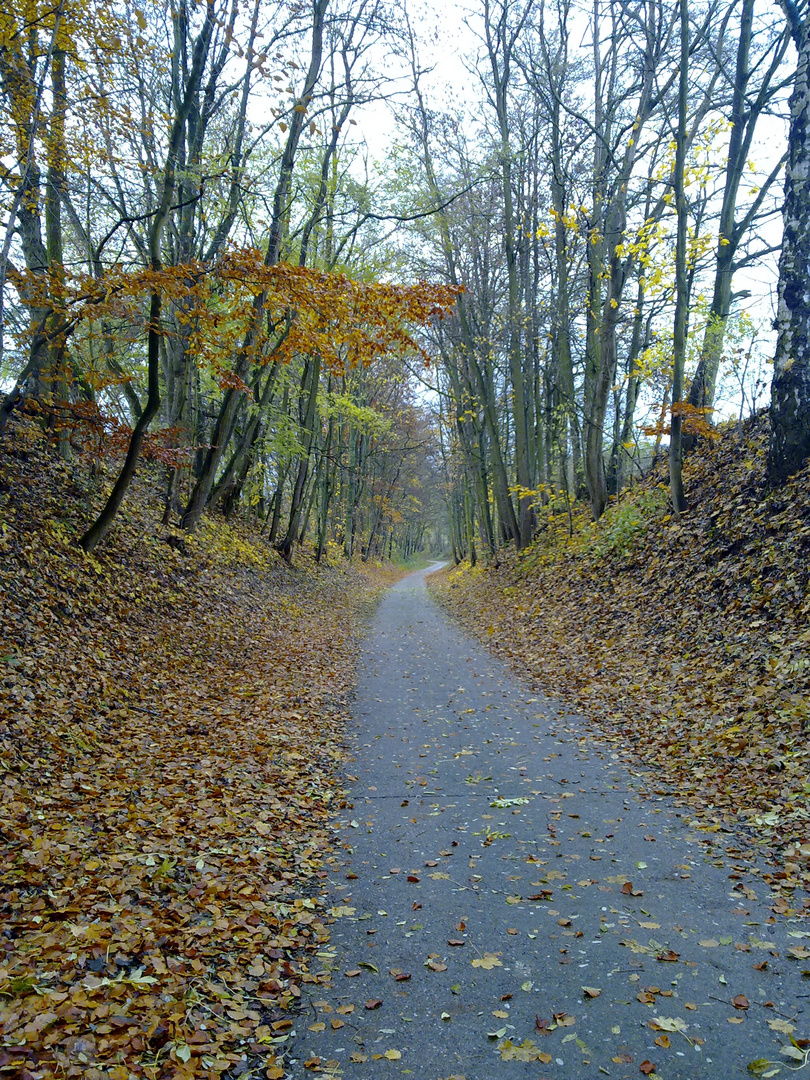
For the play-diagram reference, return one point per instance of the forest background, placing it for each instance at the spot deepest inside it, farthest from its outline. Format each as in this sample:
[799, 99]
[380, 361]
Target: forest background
[269, 287]
[200, 255]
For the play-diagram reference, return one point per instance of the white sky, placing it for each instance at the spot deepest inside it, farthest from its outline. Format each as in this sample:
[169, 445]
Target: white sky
[448, 46]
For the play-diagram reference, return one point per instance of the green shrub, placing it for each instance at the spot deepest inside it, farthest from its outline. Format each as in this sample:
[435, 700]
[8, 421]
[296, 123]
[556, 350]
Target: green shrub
[621, 524]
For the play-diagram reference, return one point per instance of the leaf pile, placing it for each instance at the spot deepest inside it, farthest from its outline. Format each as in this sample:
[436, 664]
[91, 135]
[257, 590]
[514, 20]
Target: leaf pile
[170, 718]
[687, 641]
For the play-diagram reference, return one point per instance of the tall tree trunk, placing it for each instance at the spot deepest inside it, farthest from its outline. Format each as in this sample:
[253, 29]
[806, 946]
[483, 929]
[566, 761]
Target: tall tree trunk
[790, 391]
[233, 399]
[746, 108]
[681, 284]
[310, 389]
[619, 454]
[98, 530]
[500, 42]
[482, 388]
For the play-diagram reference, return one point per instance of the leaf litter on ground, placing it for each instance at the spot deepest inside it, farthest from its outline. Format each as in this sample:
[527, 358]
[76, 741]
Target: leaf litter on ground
[685, 641]
[170, 724]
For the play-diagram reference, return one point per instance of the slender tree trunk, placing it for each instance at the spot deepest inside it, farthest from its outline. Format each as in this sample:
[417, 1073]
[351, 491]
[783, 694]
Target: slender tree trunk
[638, 343]
[482, 384]
[747, 105]
[681, 284]
[233, 399]
[98, 530]
[327, 489]
[311, 380]
[500, 42]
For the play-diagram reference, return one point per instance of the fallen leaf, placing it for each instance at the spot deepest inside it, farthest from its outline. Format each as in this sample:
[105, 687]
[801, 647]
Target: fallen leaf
[526, 1051]
[664, 1023]
[564, 1020]
[793, 1052]
[488, 961]
[784, 1027]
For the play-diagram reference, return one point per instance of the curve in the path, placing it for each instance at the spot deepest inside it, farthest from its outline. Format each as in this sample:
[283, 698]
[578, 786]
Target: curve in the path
[517, 902]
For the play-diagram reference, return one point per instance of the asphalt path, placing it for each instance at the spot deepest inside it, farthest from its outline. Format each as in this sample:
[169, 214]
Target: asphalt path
[512, 901]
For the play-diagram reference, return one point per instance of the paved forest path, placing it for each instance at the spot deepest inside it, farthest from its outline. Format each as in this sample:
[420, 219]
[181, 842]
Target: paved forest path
[498, 860]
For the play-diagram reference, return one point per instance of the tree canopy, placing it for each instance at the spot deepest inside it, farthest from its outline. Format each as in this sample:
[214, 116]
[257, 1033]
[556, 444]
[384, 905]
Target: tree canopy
[198, 256]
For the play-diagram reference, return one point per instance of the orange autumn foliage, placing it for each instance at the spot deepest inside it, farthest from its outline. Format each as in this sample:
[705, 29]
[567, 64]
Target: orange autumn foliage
[307, 311]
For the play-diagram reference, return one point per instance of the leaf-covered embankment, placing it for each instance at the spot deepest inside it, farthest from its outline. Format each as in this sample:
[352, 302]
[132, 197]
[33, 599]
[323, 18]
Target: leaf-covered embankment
[687, 641]
[170, 720]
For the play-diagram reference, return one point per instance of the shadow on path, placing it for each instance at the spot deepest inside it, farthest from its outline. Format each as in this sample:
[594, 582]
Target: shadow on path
[517, 902]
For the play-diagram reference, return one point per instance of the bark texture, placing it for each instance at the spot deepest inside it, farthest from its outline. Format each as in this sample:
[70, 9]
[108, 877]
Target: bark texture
[790, 392]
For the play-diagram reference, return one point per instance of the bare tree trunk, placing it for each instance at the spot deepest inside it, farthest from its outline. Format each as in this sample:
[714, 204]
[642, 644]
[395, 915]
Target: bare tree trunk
[234, 400]
[790, 392]
[310, 388]
[98, 530]
[681, 284]
[747, 106]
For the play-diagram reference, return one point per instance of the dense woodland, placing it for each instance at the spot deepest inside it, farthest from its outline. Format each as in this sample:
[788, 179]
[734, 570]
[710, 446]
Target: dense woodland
[277, 297]
[532, 295]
